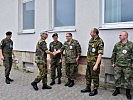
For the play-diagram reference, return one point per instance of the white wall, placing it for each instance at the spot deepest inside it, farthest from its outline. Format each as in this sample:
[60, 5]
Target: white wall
[87, 16]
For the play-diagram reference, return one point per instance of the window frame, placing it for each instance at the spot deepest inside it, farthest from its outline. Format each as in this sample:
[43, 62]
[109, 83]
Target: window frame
[52, 27]
[116, 25]
[20, 19]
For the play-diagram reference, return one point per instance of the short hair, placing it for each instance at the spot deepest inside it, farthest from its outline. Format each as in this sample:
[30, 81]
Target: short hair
[125, 32]
[96, 31]
[69, 34]
[44, 32]
[55, 34]
[8, 33]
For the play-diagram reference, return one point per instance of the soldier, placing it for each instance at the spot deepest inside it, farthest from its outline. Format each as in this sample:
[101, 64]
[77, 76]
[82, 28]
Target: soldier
[72, 53]
[122, 62]
[6, 52]
[55, 60]
[41, 61]
[94, 56]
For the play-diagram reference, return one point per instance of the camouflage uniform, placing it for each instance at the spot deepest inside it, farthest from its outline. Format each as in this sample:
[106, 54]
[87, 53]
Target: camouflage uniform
[95, 48]
[72, 51]
[7, 47]
[122, 57]
[54, 46]
[41, 61]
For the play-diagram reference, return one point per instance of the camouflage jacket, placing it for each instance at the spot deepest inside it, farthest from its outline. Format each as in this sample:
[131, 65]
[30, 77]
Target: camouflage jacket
[6, 47]
[123, 54]
[72, 51]
[54, 46]
[95, 47]
[41, 47]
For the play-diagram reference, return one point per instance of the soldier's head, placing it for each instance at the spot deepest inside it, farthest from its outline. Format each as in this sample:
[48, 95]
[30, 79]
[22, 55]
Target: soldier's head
[44, 35]
[123, 36]
[8, 35]
[55, 37]
[94, 32]
[68, 36]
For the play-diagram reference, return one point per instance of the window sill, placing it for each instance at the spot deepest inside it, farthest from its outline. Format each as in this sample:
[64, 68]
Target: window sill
[121, 25]
[63, 29]
[29, 31]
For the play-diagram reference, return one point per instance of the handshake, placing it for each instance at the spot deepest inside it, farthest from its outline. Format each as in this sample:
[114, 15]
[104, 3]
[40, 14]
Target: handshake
[55, 52]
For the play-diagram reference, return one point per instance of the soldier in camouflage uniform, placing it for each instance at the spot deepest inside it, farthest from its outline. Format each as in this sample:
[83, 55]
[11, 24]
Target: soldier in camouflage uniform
[72, 53]
[41, 61]
[6, 52]
[56, 61]
[94, 56]
[122, 62]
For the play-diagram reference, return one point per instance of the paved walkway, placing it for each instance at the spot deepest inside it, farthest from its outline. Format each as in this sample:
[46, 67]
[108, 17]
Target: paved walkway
[21, 89]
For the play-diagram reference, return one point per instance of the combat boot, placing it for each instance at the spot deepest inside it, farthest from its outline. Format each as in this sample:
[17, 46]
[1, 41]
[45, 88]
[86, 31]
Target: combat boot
[87, 89]
[45, 86]
[53, 82]
[71, 83]
[68, 83]
[59, 81]
[128, 95]
[93, 93]
[34, 84]
[7, 81]
[116, 92]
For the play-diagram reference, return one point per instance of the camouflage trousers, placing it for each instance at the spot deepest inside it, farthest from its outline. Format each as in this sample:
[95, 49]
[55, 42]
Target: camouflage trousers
[42, 73]
[56, 65]
[92, 76]
[126, 72]
[71, 69]
[7, 62]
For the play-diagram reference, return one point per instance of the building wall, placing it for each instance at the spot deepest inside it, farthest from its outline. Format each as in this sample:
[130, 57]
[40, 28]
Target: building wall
[88, 15]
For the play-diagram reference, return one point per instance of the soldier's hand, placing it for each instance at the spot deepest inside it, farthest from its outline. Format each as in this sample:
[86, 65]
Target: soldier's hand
[113, 65]
[54, 53]
[95, 68]
[77, 59]
[2, 58]
[60, 61]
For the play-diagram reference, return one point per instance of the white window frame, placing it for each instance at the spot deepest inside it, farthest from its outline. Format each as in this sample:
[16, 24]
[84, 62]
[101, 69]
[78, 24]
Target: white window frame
[117, 25]
[20, 19]
[52, 27]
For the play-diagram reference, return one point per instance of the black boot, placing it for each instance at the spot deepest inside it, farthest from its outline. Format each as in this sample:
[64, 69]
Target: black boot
[87, 89]
[128, 94]
[68, 83]
[53, 82]
[34, 84]
[71, 83]
[116, 92]
[59, 81]
[93, 93]
[7, 81]
[11, 80]
[45, 86]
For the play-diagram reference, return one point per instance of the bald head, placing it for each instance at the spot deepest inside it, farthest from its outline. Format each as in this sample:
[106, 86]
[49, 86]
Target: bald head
[123, 36]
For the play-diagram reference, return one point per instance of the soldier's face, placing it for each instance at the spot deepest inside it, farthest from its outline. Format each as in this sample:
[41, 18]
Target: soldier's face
[8, 36]
[68, 37]
[55, 38]
[122, 36]
[92, 33]
[44, 36]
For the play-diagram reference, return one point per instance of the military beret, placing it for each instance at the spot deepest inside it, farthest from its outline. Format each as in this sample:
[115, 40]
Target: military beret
[8, 33]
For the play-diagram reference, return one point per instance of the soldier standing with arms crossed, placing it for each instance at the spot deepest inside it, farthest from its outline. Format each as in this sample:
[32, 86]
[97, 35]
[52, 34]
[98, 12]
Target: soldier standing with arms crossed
[72, 53]
[122, 62]
[41, 61]
[94, 56]
[6, 52]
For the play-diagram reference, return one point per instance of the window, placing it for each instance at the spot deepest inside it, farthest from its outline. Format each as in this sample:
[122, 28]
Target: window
[63, 15]
[27, 16]
[118, 13]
